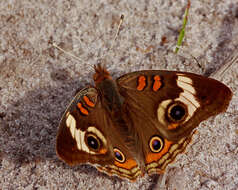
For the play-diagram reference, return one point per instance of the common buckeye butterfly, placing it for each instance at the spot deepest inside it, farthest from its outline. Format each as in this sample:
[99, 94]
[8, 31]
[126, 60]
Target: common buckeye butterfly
[139, 123]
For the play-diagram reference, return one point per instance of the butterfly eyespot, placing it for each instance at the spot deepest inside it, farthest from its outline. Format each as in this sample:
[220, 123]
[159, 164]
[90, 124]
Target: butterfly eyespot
[119, 156]
[177, 112]
[156, 144]
[93, 142]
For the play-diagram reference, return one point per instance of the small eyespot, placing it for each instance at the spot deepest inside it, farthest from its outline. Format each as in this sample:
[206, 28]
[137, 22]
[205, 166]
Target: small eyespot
[93, 142]
[156, 144]
[176, 112]
[119, 156]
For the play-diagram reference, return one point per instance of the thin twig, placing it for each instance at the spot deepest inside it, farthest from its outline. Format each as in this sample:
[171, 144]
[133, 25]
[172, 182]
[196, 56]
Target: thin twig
[229, 63]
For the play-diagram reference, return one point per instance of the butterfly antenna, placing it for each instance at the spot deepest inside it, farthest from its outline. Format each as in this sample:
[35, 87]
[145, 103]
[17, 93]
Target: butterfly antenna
[112, 44]
[99, 64]
[117, 33]
[68, 53]
[115, 37]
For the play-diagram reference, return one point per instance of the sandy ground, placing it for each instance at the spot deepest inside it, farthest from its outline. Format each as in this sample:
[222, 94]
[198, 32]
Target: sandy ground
[37, 81]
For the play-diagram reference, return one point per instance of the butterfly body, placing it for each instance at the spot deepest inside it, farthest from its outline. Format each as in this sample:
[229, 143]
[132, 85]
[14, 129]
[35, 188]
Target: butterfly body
[140, 122]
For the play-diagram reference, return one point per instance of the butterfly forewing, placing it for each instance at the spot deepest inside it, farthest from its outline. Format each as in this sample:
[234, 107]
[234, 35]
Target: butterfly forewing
[87, 134]
[174, 102]
[79, 120]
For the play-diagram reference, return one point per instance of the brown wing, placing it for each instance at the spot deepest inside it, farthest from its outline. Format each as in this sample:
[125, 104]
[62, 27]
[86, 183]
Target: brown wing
[157, 151]
[87, 134]
[173, 102]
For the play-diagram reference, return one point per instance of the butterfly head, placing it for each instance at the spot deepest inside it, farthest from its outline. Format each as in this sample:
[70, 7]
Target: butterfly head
[101, 74]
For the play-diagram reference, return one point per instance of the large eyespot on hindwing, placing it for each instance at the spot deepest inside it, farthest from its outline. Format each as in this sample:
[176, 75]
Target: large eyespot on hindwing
[156, 144]
[91, 140]
[119, 156]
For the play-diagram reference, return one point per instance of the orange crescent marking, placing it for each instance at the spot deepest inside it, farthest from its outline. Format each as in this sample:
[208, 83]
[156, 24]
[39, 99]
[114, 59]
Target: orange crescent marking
[173, 126]
[102, 151]
[88, 102]
[82, 109]
[129, 164]
[159, 171]
[151, 157]
[141, 83]
[157, 83]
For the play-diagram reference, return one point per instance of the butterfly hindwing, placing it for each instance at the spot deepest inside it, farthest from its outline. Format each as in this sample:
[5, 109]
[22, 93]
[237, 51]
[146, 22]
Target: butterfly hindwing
[157, 151]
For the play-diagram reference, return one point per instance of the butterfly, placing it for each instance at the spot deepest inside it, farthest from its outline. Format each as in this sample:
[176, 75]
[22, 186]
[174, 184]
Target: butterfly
[139, 122]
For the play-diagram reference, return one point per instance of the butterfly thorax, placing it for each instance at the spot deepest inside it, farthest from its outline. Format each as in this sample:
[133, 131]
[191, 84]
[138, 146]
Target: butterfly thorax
[114, 102]
[108, 89]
